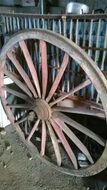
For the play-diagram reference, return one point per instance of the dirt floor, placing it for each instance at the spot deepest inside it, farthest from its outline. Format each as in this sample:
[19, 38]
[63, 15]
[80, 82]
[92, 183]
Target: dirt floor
[19, 171]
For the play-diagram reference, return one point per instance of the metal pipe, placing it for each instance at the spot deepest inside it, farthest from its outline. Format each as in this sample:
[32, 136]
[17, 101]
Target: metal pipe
[53, 54]
[4, 28]
[7, 24]
[71, 29]
[97, 41]
[96, 55]
[84, 32]
[88, 17]
[25, 23]
[42, 7]
[90, 37]
[76, 32]
[103, 58]
[34, 23]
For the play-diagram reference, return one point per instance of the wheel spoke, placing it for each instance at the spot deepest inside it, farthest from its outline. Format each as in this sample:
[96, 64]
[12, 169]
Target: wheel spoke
[73, 138]
[58, 77]
[80, 128]
[55, 143]
[18, 106]
[30, 64]
[2, 95]
[16, 93]
[26, 127]
[7, 109]
[43, 139]
[81, 101]
[82, 111]
[33, 130]
[21, 120]
[18, 82]
[43, 50]
[65, 143]
[77, 88]
[21, 71]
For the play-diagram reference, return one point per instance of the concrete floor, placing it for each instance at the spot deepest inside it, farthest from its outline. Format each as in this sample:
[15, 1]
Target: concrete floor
[19, 171]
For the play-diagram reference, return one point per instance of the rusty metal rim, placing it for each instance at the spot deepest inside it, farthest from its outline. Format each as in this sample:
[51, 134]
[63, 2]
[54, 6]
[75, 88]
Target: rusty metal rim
[88, 66]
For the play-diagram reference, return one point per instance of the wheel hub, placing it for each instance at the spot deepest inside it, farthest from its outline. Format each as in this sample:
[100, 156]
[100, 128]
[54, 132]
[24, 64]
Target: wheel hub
[42, 109]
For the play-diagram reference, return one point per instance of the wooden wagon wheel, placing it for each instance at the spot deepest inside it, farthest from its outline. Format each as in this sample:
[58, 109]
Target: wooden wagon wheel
[40, 111]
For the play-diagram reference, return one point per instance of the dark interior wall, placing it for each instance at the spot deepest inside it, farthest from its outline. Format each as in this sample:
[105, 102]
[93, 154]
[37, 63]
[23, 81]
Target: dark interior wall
[95, 4]
[17, 2]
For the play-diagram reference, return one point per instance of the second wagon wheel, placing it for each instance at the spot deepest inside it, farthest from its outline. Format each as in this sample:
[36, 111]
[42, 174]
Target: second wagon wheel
[51, 100]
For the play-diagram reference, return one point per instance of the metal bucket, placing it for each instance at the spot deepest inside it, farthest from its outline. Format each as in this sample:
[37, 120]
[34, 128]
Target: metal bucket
[77, 8]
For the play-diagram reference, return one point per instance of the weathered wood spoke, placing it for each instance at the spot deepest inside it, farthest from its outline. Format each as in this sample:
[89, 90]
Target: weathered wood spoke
[21, 120]
[65, 143]
[18, 82]
[71, 92]
[73, 138]
[20, 106]
[33, 130]
[82, 111]
[58, 77]
[79, 127]
[21, 71]
[26, 127]
[55, 143]
[17, 94]
[30, 64]
[43, 139]
[43, 50]
[4, 100]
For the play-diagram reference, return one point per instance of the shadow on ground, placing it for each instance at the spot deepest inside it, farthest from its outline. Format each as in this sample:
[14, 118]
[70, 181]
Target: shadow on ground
[19, 171]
